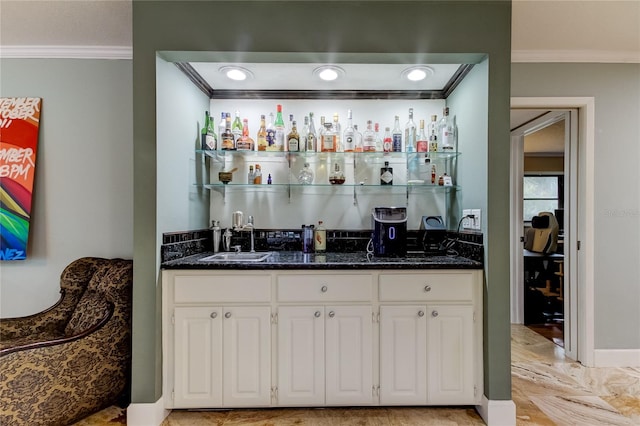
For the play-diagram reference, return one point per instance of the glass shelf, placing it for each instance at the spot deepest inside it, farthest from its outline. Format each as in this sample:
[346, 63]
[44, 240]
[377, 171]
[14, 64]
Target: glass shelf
[220, 155]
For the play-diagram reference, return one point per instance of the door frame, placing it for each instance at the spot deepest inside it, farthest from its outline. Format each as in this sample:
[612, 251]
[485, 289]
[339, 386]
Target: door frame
[582, 319]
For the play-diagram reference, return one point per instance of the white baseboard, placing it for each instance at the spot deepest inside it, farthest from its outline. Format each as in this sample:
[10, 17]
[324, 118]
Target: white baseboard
[617, 358]
[497, 413]
[152, 414]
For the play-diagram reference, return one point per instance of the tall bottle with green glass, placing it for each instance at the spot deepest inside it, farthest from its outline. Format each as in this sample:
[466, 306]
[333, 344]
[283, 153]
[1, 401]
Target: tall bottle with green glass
[280, 129]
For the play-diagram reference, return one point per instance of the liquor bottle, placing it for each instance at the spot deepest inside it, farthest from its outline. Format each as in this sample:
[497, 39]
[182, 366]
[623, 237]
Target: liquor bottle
[245, 143]
[422, 140]
[321, 130]
[433, 174]
[271, 134]
[203, 132]
[379, 139]
[447, 134]
[358, 143]
[387, 142]
[293, 139]
[410, 133]
[262, 135]
[396, 136]
[386, 174]
[222, 126]
[251, 175]
[337, 175]
[337, 130]
[269, 180]
[228, 142]
[369, 139]
[290, 126]
[349, 135]
[312, 136]
[433, 134]
[257, 176]
[305, 177]
[320, 238]
[236, 128]
[304, 134]
[211, 139]
[280, 130]
[328, 142]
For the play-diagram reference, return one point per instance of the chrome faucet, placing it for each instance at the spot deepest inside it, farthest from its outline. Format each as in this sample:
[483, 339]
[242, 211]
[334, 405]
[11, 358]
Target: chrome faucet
[247, 227]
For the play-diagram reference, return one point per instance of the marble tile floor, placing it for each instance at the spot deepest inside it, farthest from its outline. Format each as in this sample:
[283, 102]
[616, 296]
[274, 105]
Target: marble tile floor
[547, 388]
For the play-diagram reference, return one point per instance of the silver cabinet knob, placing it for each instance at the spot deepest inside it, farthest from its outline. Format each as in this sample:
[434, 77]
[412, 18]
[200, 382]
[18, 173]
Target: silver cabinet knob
[420, 313]
[324, 289]
[332, 314]
[317, 314]
[427, 288]
[227, 315]
[434, 314]
[214, 315]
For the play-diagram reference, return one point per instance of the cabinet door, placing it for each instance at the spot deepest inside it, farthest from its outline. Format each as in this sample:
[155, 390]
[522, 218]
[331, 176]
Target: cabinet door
[403, 358]
[300, 355]
[450, 363]
[247, 356]
[198, 357]
[349, 357]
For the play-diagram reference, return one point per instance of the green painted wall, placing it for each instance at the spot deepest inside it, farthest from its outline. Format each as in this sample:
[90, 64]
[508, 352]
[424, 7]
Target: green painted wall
[381, 27]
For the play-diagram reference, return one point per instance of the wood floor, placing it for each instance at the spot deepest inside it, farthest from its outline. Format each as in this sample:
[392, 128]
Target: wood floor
[547, 389]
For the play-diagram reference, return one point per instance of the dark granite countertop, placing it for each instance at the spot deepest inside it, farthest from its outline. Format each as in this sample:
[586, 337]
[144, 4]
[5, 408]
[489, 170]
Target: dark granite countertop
[298, 260]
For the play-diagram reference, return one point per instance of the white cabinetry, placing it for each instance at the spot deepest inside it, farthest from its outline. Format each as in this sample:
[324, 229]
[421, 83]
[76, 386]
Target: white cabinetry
[302, 338]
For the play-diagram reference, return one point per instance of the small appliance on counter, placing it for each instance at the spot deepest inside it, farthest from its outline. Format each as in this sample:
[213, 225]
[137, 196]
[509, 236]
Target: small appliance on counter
[434, 234]
[389, 236]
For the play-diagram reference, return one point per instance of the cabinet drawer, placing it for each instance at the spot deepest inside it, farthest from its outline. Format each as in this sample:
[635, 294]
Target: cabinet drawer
[325, 288]
[222, 288]
[426, 287]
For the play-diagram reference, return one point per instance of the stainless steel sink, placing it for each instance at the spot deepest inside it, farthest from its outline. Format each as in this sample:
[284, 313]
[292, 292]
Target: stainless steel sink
[238, 257]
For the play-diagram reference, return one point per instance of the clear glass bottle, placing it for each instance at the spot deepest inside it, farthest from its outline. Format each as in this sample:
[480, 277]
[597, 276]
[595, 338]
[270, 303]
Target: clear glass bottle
[262, 135]
[396, 136]
[336, 177]
[447, 133]
[358, 144]
[271, 134]
[222, 126]
[433, 134]
[321, 130]
[387, 141]
[349, 135]
[312, 136]
[245, 143]
[328, 142]
[422, 140]
[379, 138]
[236, 128]
[337, 130]
[257, 175]
[410, 134]
[386, 174]
[369, 139]
[320, 238]
[280, 129]
[305, 177]
[293, 138]
[228, 142]
[304, 134]
[250, 175]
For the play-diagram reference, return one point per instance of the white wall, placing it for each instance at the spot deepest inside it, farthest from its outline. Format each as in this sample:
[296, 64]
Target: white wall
[83, 193]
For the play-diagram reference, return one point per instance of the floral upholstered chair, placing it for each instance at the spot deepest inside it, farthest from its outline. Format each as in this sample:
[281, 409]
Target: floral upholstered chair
[73, 359]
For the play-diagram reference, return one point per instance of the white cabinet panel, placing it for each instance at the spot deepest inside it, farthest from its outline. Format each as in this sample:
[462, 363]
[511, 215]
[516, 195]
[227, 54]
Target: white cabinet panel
[198, 357]
[247, 356]
[349, 357]
[325, 288]
[451, 354]
[301, 355]
[432, 286]
[403, 355]
[228, 288]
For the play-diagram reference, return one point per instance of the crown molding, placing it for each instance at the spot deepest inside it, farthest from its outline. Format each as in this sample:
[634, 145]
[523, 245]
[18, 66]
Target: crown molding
[66, 52]
[586, 56]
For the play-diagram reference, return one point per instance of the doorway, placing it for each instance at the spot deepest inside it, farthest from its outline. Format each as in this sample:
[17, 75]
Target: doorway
[577, 283]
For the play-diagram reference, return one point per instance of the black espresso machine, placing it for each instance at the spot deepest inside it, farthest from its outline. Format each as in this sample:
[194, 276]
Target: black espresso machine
[389, 236]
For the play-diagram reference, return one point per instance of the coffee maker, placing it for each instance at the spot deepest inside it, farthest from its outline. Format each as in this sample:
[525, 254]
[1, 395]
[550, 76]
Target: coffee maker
[389, 235]
[433, 234]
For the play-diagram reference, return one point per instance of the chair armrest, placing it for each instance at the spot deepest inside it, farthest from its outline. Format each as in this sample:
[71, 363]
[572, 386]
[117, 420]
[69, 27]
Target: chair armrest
[48, 320]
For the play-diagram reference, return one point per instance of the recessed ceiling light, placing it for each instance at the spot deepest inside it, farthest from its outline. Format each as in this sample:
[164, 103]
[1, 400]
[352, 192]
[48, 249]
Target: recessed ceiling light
[236, 73]
[328, 72]
[417, 73]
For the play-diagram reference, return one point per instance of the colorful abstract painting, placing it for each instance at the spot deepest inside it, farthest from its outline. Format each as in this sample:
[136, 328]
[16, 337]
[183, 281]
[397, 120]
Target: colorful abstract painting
[19, 122]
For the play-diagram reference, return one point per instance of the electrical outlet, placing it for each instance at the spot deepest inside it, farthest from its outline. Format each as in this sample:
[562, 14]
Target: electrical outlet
[467, 223]
[477, 219]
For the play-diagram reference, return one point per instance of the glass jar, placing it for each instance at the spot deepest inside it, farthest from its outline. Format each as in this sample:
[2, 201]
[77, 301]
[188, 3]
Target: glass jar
[305, 177]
